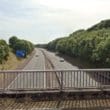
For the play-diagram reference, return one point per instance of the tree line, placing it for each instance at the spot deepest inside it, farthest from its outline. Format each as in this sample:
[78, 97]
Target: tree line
[4, 51]
[14, 45]
[19, 44]
[92, 44]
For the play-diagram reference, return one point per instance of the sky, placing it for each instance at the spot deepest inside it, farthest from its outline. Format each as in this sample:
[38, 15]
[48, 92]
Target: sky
[41, 21]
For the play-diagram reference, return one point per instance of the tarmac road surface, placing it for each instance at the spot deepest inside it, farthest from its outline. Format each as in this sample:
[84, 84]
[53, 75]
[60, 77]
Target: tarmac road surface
[70, 79]
[39, 80]
[31, 80]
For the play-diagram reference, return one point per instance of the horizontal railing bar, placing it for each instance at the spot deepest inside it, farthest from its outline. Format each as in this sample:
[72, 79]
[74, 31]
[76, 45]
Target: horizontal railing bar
[32, 89]
[61, 80]
[65, 70]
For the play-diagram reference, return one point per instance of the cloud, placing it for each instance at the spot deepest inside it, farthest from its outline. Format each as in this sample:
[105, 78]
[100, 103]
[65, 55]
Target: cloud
[44, 20]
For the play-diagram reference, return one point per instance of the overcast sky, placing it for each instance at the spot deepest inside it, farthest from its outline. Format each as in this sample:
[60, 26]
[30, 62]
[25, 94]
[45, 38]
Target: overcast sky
[44, 20]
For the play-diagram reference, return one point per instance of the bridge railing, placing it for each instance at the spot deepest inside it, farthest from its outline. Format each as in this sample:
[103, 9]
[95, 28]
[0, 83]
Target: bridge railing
[61, 80]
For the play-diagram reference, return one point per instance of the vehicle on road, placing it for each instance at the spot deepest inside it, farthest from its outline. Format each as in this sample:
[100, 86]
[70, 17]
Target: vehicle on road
[37, 55]
[61, 60]
[56, 53]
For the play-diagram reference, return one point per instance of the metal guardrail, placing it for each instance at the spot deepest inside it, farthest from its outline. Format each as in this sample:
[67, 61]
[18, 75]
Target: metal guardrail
[61, 80]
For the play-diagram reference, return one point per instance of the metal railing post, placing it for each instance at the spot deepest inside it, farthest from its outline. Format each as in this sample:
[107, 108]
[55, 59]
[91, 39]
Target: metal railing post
[4, 82]
[61, 83]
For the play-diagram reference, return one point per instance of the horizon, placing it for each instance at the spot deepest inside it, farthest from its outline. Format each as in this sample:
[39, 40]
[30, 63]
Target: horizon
[44, 20]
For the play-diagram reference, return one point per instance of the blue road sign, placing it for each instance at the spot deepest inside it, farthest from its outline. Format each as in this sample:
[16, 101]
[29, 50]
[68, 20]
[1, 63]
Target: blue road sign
[20, 53]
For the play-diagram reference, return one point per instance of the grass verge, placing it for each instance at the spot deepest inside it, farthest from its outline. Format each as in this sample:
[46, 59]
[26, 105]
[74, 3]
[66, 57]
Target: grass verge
[12, 63]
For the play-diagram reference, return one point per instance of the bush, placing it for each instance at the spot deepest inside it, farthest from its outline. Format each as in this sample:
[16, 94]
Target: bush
[92, 45]
[4, 50]
[18, 44]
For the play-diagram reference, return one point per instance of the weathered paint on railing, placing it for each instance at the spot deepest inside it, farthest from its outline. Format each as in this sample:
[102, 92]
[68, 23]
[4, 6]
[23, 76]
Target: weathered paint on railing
[61, 80]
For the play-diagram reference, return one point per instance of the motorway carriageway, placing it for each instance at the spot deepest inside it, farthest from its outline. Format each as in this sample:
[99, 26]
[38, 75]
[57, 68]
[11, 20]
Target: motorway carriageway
[23, 81]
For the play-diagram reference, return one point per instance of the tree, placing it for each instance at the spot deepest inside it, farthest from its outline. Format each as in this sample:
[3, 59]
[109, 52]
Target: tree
[4, 50]
[92, 44]
[18, 44]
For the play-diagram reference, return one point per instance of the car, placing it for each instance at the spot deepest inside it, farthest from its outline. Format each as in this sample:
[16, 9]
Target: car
[37, 55]
[61, 60]
[56, 53]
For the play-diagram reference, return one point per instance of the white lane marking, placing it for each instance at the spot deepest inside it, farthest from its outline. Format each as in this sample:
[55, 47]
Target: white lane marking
[44, 74]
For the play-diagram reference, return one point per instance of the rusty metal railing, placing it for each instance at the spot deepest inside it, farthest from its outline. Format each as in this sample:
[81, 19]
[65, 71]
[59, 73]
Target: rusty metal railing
[61, 80]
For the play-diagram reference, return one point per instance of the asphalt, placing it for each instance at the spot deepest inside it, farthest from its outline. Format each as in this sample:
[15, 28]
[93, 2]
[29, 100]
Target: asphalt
[71, 79]
[31, 80]
[39, 81]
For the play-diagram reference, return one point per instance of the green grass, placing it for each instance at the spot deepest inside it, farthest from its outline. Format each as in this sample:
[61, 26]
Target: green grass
[12, 63]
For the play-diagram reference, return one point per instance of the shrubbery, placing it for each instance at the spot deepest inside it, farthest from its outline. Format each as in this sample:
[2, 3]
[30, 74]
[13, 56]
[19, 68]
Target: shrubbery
[4, 51]
[18, 44]
[92, 45]
[14, 44]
